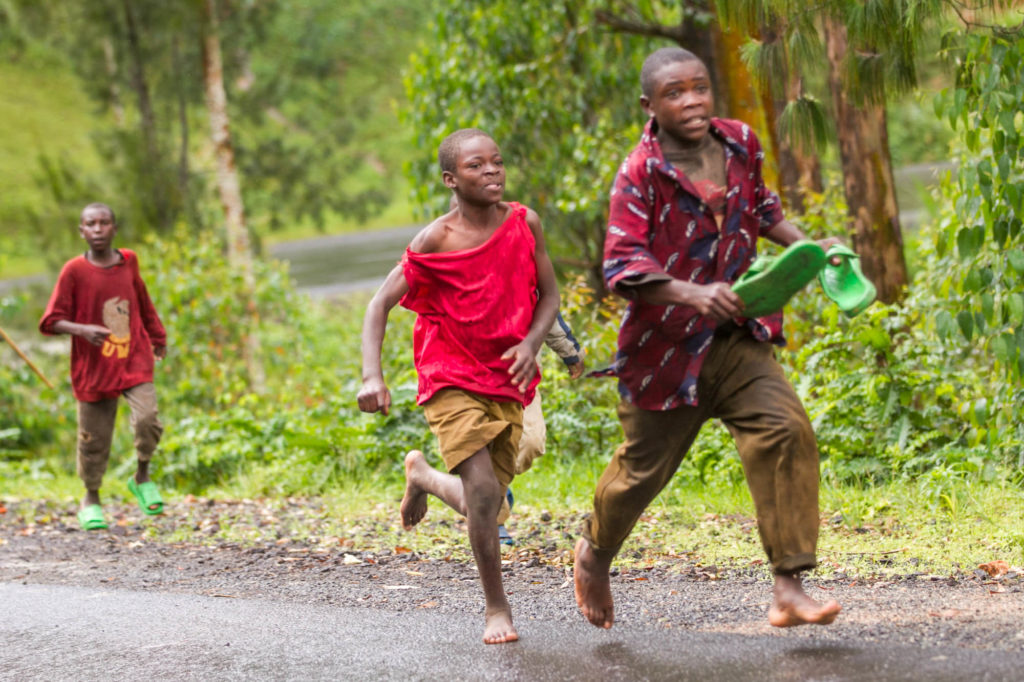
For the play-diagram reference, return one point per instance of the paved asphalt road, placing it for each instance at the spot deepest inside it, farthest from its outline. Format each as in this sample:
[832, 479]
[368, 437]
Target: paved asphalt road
[72, 633]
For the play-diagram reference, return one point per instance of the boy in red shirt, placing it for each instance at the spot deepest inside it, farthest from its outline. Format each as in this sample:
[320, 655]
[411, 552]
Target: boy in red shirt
[101, 300]
[482, 285]
[687, 210]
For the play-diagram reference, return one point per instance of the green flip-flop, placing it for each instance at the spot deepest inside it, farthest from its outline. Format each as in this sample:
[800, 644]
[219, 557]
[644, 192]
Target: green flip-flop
[842, 281]
[771, 282]
[148, 496]
[91, 518]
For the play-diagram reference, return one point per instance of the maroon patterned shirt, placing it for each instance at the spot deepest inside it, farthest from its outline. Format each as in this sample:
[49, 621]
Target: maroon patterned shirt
[661, 228]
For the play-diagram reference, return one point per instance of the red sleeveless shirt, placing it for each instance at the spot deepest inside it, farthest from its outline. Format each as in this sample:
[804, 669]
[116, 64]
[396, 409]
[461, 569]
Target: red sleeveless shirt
[472, 306]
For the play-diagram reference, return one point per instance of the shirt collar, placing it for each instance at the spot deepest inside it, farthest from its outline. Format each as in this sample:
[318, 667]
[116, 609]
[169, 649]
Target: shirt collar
[650, 140]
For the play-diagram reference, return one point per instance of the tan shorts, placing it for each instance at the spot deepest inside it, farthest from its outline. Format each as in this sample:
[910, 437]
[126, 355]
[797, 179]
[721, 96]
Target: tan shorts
[465, 422]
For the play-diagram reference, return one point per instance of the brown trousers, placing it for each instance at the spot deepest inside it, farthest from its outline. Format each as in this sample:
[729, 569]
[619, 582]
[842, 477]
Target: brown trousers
[96, 431]
[742, 384]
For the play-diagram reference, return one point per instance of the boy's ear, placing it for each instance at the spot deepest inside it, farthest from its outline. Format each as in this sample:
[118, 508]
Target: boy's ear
[448, 178]
[646, 104]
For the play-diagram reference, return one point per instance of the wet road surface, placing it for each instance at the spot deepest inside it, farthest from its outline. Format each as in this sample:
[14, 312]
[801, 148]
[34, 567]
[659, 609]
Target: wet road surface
[74, 633]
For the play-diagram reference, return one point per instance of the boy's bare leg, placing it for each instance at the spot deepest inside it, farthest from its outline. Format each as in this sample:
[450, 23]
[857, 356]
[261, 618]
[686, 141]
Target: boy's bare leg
[142, 471]
[593, 585]
[91, 497]
[422, 479]
[476, 494]
[792, 606]
[482, 499]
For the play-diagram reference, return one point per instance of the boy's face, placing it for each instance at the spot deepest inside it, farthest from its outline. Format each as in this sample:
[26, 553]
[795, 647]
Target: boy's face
[97, 228]
[681, 100]
[479, 175]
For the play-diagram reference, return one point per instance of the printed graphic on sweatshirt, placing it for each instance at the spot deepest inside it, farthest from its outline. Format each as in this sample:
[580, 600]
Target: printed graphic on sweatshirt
[116, 319]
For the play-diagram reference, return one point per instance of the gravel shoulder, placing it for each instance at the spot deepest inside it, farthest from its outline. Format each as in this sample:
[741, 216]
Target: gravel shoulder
[969, 610]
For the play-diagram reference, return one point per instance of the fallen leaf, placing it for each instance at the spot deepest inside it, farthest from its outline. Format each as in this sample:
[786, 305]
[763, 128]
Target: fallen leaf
[945, 613]
[413, 573]
[995, 568]
[3, 509]
[351, 559]
[402, 550]
[428, 605]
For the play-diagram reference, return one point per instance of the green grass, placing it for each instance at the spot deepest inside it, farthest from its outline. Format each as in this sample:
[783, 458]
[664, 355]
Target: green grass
[866, 532]
[43, 112]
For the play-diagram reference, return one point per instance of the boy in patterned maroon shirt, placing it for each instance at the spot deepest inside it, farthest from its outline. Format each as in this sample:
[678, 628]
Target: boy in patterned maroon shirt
[687, 208]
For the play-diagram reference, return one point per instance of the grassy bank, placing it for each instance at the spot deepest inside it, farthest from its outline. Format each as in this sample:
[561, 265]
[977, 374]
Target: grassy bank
[866, 533]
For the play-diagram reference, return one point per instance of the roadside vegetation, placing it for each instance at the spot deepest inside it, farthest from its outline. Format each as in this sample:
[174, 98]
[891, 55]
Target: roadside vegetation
[916, 403]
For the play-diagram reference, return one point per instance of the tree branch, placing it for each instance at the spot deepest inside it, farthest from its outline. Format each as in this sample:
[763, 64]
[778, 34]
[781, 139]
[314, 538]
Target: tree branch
[618, 23]
[959, 7]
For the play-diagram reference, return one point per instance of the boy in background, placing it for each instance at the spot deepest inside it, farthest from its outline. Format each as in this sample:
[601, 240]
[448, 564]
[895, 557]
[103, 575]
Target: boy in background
[102, 302]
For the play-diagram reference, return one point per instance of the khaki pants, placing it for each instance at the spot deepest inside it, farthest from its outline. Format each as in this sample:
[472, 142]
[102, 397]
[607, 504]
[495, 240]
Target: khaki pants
[531, 445]
[96, 431]
[742, 384]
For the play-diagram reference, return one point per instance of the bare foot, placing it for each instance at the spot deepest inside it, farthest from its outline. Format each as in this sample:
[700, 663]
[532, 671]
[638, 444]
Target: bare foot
[499, 628]
[593, 587]
[414, 502]
[792, 606]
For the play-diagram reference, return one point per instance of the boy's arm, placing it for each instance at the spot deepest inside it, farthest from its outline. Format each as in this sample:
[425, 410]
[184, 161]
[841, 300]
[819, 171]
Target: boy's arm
[631, 270]
[785, 233]
[93, 333]
[524, 354]
[561, 340]
[774, 225]
[374, 395]
[60, 311]
[150, 319]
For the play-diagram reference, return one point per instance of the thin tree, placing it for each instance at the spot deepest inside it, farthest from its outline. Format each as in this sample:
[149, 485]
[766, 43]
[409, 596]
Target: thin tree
[228, 185]
[867, 172]
[147, 119]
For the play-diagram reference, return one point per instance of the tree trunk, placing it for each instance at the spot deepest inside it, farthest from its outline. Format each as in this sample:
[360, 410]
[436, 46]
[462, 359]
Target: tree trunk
[741, 97]
[147, 120]
[239, 252]
[114, 90]
[799, 171]
[867, 178]
[183, 167]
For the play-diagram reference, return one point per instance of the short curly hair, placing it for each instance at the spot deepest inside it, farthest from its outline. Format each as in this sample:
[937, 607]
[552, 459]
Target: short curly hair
[448, 151]
[102, 206]
[658, 59]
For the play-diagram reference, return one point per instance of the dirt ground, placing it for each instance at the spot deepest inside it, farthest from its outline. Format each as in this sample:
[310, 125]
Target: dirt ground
[41, 544]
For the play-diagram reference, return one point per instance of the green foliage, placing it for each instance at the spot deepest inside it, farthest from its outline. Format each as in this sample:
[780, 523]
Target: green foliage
[890, 42]
[311, 92]
[31, 415]
[305, 433]
[978, 243]
[557, 92]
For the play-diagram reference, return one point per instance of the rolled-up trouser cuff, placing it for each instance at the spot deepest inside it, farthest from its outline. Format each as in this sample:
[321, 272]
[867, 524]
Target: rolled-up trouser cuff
[600, 552]
[795, 563]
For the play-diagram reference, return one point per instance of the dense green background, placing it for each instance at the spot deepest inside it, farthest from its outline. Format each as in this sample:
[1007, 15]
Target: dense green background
[916, 405]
